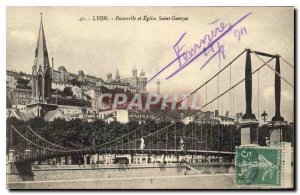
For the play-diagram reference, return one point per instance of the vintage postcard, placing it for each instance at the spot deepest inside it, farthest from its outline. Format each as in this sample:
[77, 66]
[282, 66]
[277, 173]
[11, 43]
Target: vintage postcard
[150, 97]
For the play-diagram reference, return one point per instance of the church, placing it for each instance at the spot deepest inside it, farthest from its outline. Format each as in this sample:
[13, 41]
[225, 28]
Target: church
[41, 70]
[41, 78]
[43, 87]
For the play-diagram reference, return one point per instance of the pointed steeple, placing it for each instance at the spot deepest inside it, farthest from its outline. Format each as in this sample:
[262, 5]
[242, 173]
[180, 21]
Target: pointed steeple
[41, 70]
[117, 76]
[41, 53]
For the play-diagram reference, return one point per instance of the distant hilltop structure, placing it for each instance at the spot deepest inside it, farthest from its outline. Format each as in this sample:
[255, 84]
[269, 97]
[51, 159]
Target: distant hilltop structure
[134, 84]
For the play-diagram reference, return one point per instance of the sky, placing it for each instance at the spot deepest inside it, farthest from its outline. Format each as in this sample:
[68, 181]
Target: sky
[101, 47]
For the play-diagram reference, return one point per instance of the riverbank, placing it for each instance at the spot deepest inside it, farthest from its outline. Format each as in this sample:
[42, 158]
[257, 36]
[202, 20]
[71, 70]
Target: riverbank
[205, 181]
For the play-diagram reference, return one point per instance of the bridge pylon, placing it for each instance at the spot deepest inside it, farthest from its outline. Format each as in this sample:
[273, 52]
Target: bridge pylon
[249, 123]
[277, 126]
[11, 161]
[17, 171]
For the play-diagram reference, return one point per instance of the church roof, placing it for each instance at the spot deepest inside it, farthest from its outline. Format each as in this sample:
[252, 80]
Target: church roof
[25, 116]
[53, 114]
[41, 53]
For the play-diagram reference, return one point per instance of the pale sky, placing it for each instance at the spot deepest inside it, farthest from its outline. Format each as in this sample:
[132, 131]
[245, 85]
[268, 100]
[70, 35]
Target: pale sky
[101, 47]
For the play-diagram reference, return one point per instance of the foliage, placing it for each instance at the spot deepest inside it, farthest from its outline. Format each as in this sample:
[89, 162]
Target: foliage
[8, 102]
[79, 133]
[75, 82]
[22, 82]
[71, 102]
[67, 92]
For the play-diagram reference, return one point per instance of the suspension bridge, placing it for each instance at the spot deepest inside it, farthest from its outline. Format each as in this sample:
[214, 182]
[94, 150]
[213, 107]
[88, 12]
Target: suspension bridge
[207, 136]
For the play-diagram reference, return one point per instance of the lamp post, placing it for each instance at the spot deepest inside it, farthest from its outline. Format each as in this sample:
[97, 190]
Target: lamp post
[264, 116]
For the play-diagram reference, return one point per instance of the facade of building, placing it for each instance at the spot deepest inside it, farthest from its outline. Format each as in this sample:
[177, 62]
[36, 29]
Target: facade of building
[225, 120]
[16, 92]
[141, 116]
[71, 110]
[19, 96]
[120, 115]
[209, 117]
[136, 84]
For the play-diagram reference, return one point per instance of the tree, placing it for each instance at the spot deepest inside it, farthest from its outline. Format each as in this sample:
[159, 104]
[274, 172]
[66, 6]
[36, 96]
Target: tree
[75, 82]
[8, 102]
[22, 82]
[67, 92]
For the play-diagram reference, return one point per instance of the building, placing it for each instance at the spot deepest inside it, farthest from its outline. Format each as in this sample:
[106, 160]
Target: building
[141, 116]
[19, 114]
[13, 76]
[40, 109]
[19, 95]
[136, 83]
[119, 115]
[62, 78]
[55, 114]
[188, 119]
[94, 94]
[18, 88]
[38, 92]
[208, 117]
[226, 120]
[44, 82]
[71, 110]
[41, 70]
[111, 83]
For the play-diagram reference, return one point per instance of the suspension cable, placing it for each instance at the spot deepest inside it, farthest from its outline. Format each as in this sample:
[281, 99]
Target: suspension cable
[47, 140]
[35, 143]
[175, 137]
[258, 93]
[180, 100]
[211, 100]
[219, 80]
[273, 70]
[232, 102]
[205, 84]
[222, 106]
[287, 62]
[214, 98]
[208, 102]
[230, 91]
[206, 95]
[238, 83]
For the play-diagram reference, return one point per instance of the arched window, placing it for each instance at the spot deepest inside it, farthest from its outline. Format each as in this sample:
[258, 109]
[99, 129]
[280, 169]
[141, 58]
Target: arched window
[40, 86]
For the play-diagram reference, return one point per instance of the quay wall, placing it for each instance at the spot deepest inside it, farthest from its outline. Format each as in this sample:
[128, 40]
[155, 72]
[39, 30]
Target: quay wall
[209, 181]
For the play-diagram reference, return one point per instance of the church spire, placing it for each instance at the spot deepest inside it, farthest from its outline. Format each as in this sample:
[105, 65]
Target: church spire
[41, 53]
[41, 70]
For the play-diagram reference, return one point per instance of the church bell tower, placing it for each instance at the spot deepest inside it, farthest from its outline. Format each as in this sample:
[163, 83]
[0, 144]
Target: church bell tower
[41, 70]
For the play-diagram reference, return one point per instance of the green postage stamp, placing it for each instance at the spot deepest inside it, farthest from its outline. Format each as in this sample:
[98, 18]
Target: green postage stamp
[258, 166]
